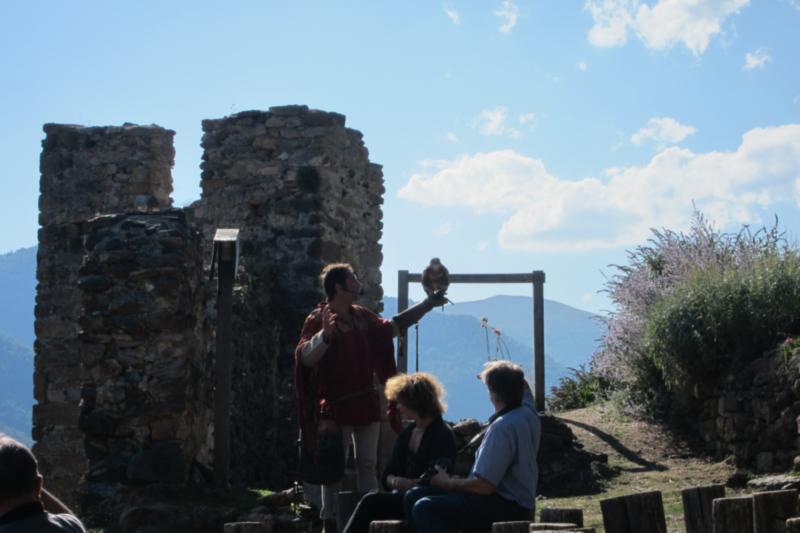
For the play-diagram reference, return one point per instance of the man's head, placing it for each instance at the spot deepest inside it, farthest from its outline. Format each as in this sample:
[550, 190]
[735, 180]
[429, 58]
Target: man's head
[19, 472]
[505, 381]
[339, 278]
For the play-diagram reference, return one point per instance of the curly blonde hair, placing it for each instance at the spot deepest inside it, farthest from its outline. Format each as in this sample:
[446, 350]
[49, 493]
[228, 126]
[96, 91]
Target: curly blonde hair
[421, 392]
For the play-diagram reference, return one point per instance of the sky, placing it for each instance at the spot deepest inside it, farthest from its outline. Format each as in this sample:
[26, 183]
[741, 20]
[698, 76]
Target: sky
[515, 135]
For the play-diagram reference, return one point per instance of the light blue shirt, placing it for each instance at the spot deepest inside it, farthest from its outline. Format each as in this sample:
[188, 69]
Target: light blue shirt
[507, 456]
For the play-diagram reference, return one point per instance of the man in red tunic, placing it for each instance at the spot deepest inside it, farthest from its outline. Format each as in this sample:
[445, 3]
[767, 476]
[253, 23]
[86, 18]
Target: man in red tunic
[342, 347]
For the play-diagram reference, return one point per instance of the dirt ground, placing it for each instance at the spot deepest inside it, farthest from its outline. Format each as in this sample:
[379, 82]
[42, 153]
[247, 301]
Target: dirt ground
[647, 459]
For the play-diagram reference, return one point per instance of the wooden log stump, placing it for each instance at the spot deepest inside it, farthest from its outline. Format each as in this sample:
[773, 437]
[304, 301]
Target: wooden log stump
[732, 515]
[552, 526]
[635, 513]
[793, 525]
[697, 507]
[520, 526]
[246, 527]
[388, 526]
[772, 508]
[574, 516]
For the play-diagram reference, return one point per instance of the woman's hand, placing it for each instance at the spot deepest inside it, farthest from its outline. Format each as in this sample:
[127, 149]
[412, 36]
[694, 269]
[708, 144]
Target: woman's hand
[401, 483]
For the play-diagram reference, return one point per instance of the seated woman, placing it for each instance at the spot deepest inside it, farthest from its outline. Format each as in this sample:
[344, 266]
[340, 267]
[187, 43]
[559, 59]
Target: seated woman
[425, 442]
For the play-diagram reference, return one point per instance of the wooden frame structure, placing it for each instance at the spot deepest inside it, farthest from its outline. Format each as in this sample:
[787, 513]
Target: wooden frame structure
[536, 278]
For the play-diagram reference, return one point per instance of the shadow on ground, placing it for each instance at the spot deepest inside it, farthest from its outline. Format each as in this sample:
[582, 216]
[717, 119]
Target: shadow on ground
[627, 453]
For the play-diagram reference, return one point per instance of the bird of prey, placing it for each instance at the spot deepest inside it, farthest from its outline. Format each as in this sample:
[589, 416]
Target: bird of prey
[435, 277]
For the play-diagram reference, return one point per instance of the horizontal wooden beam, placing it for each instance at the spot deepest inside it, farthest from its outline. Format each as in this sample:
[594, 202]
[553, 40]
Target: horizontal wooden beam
[528, 277]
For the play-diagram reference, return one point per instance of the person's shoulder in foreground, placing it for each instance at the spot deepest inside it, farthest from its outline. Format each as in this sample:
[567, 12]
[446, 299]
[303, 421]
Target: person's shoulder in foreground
[25, 506]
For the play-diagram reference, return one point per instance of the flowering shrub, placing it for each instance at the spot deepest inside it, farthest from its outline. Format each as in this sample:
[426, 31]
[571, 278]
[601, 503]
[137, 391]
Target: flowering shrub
[582, 388]
[717, 320]
[667, 264]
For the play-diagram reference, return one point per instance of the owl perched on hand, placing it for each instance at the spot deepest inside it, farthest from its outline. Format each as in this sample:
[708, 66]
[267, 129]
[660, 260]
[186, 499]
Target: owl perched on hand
[435, 277]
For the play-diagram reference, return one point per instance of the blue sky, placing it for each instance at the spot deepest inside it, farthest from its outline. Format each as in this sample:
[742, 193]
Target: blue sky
[515, 135]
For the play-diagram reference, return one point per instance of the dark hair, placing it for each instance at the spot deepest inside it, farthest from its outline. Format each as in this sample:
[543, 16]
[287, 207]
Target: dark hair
[506, 380]
[421, 392]
[18, 469]
[335, 274]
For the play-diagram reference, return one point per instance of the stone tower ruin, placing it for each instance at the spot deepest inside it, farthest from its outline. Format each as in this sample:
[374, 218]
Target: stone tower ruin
[125, 308]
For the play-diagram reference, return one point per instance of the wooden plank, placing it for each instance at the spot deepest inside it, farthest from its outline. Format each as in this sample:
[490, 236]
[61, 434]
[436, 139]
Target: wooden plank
[646, 513]
[552, 526]
[772, 508]
[697, 507]
[388, 526]
[732, 515]
[574, 516]
[522, 526]
[402, 305]
[615, 515]
[538, 339]
[480, 278]
[223, 365]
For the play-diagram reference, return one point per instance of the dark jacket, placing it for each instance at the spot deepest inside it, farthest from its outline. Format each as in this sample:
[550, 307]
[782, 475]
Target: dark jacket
[438, 442]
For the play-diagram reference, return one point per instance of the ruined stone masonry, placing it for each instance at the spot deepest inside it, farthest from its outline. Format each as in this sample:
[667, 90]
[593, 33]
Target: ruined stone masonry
[84, 171]
[125, 307]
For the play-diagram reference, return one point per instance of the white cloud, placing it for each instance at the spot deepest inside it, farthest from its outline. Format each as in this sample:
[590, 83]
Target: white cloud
[587, 297]
[757, 59]
[661, 25]
[611, 21]
[442, 230]
[547, 214]
[452, 137]
[455, 16]
[795, 4]
[482, 245]
[582, 66]
[494, 122]
[663, 130]
[509, 12]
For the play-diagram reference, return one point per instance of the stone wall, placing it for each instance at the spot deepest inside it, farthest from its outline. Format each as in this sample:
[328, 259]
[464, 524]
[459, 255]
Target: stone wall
[145, 408]
[84, 172]
[301, 189]
[752, 414]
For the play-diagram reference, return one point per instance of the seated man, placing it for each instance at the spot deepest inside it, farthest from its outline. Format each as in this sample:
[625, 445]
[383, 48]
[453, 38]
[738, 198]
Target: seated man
[23, 500]
[502, 484]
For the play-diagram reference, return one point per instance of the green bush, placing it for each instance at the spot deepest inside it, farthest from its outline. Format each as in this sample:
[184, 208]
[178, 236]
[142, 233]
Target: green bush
[582, 389]
[718, 319]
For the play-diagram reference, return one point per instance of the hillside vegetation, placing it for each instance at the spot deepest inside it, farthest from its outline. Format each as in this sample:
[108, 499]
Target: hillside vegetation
[688, 306]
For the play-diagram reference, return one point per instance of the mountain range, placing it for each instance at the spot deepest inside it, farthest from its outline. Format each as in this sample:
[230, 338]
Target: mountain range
[453, 344]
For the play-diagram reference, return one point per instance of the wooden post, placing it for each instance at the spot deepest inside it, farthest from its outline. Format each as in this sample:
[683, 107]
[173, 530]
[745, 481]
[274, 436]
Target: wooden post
[388, 526]
[402, 305]
[574, 516]
[793, 525]
[635, 513]
[538, 339]
[697, 507]
[772, 508]
[733, 515]
[551, 526]
[246, 527]
[226, 250]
